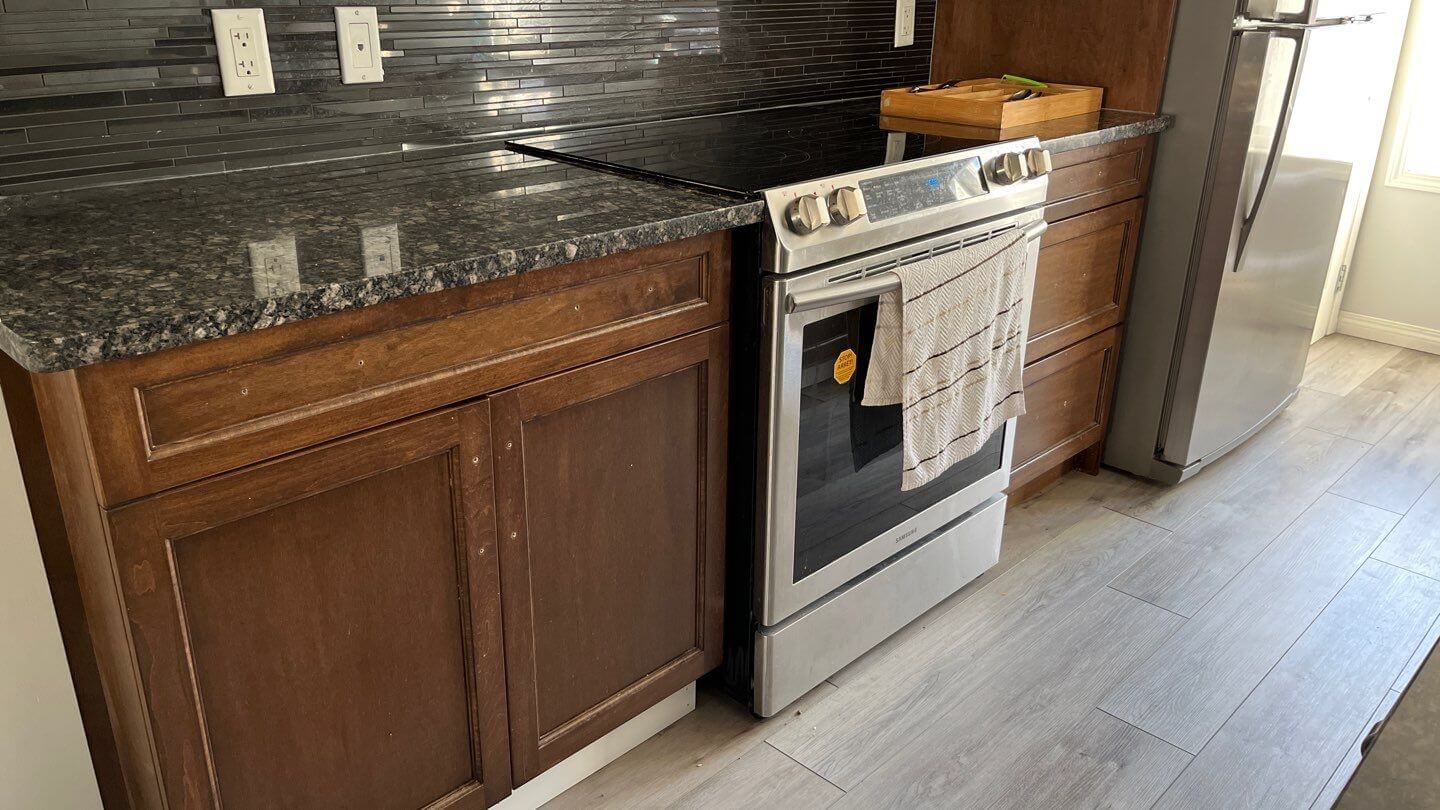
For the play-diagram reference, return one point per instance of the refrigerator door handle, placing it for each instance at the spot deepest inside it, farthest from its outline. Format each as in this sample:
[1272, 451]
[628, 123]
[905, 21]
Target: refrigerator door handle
[1276, 145]
[1267, 26]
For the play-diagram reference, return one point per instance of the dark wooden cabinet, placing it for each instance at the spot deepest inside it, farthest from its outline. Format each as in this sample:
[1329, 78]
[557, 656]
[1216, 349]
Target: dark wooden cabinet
[610, 488]
[1082, 283]
[1095, 207]
[1068, 394]
[324, 630]
[404, 557]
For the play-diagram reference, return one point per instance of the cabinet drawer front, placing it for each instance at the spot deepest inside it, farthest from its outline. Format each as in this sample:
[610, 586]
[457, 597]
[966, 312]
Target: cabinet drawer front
[1082, 285]
[323, 630]
[174, 417]
[1087, 179]
[1067, 398]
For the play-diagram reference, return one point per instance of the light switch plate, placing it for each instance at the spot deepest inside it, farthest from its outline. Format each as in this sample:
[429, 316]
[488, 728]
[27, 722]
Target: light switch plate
[904, 23]
[358, 29]
[244, 51]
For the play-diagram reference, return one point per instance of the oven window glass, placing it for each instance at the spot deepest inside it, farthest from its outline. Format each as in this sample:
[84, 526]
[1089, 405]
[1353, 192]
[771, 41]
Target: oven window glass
[850, 458]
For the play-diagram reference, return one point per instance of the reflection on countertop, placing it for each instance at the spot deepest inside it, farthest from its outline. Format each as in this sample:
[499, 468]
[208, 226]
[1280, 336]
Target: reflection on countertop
[115, 272]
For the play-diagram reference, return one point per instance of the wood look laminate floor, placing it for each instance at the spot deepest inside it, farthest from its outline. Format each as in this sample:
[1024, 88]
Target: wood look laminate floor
[1220, 644]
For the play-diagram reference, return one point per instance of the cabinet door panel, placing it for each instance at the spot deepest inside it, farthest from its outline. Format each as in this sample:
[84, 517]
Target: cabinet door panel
[1082, 284]
[610, 490]
[1067, 398]
[323, 631]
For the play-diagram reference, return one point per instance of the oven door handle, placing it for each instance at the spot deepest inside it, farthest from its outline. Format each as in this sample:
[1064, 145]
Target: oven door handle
[870, 286]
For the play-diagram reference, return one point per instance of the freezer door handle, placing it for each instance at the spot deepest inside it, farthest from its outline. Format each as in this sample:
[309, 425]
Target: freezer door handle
[1276, 145]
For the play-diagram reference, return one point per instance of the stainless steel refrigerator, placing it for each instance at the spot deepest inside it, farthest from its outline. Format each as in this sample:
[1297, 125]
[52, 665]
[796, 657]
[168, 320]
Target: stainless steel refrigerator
[1240, 230]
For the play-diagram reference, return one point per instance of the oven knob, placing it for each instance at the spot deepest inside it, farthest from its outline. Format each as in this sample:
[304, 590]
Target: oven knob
[807, 214]
[1039, 160]
[847, 205]
[1010, 168]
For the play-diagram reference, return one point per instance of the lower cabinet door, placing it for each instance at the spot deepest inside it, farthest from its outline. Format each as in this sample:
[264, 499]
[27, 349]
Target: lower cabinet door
[610, 490]
[1067, 405]
[323, 631]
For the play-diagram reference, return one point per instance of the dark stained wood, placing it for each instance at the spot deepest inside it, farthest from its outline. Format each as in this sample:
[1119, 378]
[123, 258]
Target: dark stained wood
[173, 417]
[1068, 399]
[610, 509]
[324, 630]
[1089, 179]
[1082, 284]
[58, 402]
[50, 532]
[1120, 45]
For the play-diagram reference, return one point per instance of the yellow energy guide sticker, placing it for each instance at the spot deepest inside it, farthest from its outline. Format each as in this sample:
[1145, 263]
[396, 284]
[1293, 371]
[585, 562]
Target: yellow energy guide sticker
[845, 367]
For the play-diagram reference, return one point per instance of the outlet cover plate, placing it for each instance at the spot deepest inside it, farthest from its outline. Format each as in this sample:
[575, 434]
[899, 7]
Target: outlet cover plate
[244, 51]
[358, 30]
[904, 23]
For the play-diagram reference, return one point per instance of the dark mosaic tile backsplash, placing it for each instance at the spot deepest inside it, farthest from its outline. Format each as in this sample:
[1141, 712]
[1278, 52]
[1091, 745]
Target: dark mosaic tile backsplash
[104, 91]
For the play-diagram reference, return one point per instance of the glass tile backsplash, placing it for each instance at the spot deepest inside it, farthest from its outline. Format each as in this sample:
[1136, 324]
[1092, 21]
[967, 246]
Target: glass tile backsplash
[103, 91]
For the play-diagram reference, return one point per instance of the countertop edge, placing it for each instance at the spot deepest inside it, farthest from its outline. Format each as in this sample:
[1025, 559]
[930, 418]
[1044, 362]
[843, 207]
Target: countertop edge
[187, 328]
[1159, 122]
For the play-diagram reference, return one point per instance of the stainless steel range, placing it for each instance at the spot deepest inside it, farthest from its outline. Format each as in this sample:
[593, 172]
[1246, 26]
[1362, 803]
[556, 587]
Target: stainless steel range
[829, 557]
[844, 558]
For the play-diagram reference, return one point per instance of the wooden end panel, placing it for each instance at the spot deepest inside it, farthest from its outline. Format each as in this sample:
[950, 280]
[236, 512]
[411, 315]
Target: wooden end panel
[610, 485]
[1067, 396]
[323, 631]
[1087, 179]
[1082, 284]
[178, 416]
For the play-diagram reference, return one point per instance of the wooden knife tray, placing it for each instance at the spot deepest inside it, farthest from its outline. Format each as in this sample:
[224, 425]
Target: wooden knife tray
[982, 103]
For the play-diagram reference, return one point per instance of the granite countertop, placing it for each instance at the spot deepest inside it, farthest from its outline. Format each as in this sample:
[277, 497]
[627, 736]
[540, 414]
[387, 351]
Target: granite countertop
[127, 270]
[108, 273]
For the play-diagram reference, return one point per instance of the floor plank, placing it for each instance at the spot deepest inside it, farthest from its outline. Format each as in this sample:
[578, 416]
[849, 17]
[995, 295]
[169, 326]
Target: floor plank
[1222, 538]
[763, 777]
[1283, 744]
[1184, 693]
[1331, 792]
[1018, 700]
[1422, 651]
[1401, 466]
[1415, 543]
[1323, 346]
[1099, 762]
[1170, 506]
[1378, 404]
[665, 767]
[1342, 368]
[865, 720]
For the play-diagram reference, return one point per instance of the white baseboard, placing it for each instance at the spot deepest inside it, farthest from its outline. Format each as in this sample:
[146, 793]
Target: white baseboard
[573, 769]
[1395, 333]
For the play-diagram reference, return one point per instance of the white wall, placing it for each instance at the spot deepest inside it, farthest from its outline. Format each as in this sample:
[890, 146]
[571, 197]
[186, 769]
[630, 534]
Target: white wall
[44, 763]
[1395, 275]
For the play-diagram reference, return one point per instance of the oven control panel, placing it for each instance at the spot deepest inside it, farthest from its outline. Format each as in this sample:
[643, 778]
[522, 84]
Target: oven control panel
[825, 220]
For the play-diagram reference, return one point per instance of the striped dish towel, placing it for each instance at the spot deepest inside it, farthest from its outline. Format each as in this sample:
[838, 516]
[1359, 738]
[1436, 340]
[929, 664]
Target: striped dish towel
[950, 348]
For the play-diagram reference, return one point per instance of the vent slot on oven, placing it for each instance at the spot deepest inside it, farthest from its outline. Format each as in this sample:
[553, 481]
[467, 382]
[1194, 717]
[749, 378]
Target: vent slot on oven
[921, 255]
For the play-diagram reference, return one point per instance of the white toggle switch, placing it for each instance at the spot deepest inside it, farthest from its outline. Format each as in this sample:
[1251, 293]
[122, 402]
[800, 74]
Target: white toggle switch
[244, 51]
[358, 29]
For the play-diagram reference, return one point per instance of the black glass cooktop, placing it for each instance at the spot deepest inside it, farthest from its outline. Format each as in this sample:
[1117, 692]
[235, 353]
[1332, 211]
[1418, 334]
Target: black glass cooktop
[748, 152]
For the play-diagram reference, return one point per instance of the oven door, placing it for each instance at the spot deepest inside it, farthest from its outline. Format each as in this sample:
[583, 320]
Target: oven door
[831, 507]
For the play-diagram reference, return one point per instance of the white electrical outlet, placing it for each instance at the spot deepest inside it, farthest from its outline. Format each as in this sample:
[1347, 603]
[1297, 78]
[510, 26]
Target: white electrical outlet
[358, 29]
[904, 23]
[244, 51]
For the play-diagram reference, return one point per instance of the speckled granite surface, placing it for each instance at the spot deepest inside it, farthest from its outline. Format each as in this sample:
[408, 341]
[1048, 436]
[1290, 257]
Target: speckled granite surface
[103, 274]
[122, 271]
